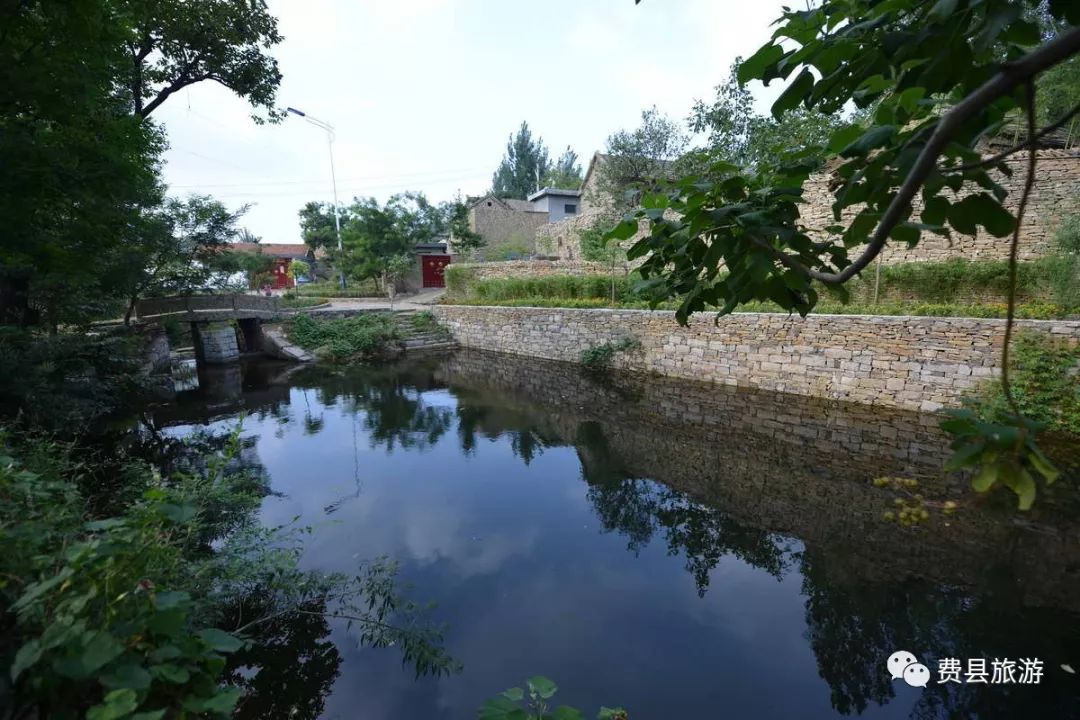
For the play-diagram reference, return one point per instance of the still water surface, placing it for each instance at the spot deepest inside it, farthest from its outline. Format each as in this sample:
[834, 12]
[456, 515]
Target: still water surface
[680, 550]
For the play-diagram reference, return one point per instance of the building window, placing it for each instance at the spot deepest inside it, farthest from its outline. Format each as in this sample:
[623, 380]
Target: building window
[570, 209]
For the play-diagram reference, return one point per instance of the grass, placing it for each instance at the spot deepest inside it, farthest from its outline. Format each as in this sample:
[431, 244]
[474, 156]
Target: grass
[301, 301]
[1045, 374]
[1032, 311]
[359, 337]
[331, 289]
[1046, 289]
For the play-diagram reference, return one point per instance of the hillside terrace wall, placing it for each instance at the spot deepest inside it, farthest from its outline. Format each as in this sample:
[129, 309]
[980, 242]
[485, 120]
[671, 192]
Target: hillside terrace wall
[1056, 196]
[919, 363]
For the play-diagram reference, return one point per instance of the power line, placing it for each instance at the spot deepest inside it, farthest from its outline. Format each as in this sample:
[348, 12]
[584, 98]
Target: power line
[323, 181]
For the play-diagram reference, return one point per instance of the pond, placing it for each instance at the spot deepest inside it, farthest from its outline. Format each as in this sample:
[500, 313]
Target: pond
[677, 549]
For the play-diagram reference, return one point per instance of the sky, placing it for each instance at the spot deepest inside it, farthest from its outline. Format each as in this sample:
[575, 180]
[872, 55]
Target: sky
[423, 94]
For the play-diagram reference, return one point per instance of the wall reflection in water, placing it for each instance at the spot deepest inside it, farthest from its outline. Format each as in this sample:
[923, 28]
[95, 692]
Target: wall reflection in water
[708, 474]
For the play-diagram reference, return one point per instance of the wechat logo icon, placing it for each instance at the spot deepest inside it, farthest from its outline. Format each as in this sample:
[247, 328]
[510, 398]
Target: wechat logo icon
[904, 665]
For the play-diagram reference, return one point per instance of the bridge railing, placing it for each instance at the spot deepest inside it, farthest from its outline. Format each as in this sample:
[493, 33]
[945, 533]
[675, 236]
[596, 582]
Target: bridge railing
[194, 305]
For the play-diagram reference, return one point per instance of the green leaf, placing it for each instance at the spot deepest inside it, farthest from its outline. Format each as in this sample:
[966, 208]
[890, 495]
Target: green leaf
[102, 649]
[131, 676]
[28, 654]
[169, 622]
[794, 94]
[179, 513]
[564, 712]
[220, 640]
[753, 67]
[542, 686]
[118, 704]
[965, 455]
[223, 702]
[607, 713]
[981, 209]
[499, 708]
[171, 673]
[874, 137]
[843, 137]
[623, 231]
[150, 715]
[515, 693]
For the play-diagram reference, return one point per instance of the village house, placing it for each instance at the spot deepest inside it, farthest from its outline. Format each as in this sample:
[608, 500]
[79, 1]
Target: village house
[283, 255]
[508, 226]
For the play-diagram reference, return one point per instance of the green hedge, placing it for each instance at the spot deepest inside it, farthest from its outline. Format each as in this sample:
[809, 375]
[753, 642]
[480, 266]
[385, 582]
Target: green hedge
[331, 289]
[1031, 311]
[1047, 287]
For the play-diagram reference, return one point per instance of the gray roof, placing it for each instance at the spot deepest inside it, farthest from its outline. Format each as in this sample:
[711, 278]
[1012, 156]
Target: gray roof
[554, 191]
[521, 205]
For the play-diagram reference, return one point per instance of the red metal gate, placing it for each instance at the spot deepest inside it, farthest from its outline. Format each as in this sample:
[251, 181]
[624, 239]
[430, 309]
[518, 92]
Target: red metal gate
[433, 268]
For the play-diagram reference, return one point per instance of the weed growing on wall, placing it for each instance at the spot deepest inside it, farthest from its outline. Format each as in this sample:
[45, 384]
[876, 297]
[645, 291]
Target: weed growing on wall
[600, 356]
[1046, 383]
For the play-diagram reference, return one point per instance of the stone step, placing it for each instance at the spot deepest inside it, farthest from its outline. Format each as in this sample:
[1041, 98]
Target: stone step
[431, 347]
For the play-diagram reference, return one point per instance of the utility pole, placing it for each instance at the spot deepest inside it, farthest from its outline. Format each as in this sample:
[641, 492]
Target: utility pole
[333, 180]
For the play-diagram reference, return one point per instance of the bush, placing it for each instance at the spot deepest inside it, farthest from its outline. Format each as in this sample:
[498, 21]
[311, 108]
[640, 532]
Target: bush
[1045, 377]
[299, 301]
[331, 289]
[133, 613]
[600, 356]
[341, 339]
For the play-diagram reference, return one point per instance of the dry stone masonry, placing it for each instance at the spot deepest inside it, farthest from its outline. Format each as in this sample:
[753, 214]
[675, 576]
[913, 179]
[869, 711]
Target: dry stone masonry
[919, 363]
[215, 343]
[1056, 195]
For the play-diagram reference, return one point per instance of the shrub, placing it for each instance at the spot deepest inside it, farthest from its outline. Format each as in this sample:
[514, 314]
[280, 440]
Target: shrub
[600, 356]
[131, 613]
[300, 301]
[358, 337]
[1064, 270]
[1045, 378]
[458, 279]
[331, 289]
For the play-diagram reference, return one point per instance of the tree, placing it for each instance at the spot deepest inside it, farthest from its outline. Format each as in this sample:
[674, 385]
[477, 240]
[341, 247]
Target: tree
[940, 77]
[78, 170]
[374, 235]
[317, 226]
[456, 216]
[298, 268]
[78, 81]
[523, 166]
[181, 251]
[176, 44]
[737, 134]
[639, 159]
[565, 173]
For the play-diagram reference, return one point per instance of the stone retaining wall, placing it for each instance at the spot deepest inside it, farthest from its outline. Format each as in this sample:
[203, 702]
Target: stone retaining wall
[918, 363]
[1056, 196]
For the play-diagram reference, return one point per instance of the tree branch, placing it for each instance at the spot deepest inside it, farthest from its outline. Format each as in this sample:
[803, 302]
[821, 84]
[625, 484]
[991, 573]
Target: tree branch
[1017, 148]
[181, 82]
[1029, 182]
[1008, 79]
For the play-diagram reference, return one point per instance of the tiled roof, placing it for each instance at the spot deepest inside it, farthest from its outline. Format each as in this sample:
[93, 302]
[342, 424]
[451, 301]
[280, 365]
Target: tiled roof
[289, 250]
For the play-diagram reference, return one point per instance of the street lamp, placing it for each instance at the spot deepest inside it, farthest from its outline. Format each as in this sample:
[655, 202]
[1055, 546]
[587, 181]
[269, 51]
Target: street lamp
[333, 178]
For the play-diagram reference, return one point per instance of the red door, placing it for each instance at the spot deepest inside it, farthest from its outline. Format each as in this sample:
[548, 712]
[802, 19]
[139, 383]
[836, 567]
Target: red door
[433, 269]
[281, 274]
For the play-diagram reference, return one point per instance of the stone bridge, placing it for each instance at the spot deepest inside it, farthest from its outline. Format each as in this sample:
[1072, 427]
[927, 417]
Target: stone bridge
[211, 318]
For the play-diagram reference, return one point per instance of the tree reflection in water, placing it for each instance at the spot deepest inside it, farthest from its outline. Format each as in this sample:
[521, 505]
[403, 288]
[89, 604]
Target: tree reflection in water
[854, 618]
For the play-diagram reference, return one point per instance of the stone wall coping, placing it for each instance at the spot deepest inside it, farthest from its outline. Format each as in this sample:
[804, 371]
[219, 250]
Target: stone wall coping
[823, 316]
